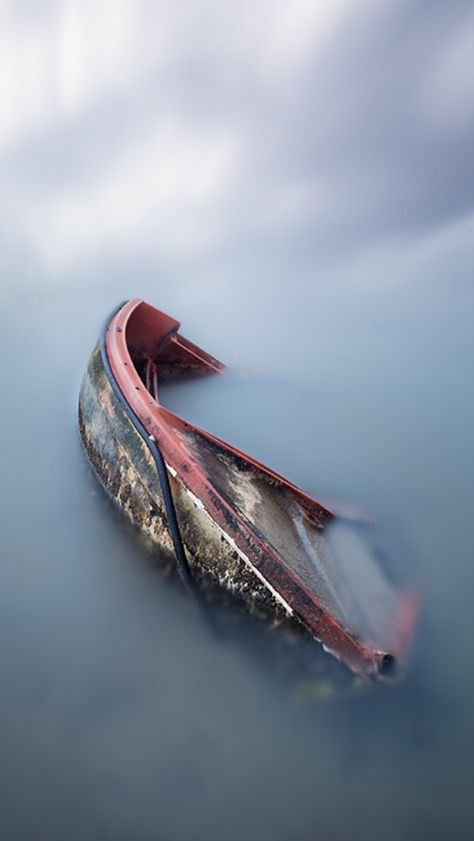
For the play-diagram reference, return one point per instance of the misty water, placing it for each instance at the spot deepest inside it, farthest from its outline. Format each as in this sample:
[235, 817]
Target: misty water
[294, 183]
[122, 714]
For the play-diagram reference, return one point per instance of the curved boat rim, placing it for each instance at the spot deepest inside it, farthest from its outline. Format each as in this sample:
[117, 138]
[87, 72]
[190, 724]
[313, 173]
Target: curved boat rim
[169, 431]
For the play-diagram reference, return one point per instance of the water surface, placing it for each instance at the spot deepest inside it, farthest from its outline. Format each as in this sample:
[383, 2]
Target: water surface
[122, 714]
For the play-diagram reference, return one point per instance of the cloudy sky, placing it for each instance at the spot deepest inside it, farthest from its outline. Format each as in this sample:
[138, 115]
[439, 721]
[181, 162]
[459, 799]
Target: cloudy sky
[185, 129]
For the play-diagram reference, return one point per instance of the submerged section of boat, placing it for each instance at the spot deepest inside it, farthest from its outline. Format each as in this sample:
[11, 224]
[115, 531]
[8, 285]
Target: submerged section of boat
[230, 520]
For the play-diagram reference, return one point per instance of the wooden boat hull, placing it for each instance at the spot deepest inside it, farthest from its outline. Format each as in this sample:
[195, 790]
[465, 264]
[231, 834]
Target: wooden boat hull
[237, 524]
[125, 467]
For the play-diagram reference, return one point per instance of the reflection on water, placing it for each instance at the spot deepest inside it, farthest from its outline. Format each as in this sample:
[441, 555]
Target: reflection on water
[122, 714]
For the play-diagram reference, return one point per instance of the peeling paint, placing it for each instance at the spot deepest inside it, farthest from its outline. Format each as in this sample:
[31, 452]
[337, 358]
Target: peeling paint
[242, 526]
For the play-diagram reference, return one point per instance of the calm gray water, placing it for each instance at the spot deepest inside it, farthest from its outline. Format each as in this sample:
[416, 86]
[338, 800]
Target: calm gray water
[298, 191]
[122, 716]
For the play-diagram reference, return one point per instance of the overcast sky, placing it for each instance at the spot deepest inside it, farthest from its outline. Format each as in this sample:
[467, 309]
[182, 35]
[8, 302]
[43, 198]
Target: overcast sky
[188, 129]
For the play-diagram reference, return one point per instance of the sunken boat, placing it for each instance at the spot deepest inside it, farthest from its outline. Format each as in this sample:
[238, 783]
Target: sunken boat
[229, 521]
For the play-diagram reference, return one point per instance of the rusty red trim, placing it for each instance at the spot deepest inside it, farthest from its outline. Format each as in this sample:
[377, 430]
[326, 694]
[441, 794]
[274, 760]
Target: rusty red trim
[165, 426]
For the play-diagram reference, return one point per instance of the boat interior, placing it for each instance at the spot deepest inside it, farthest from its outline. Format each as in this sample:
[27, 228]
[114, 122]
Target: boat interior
[329, 556]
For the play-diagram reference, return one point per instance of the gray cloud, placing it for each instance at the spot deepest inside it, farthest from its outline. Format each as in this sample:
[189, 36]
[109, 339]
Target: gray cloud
[344, 138]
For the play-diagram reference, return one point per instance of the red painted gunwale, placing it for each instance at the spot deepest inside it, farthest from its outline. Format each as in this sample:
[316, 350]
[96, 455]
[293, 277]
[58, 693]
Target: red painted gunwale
[165, 426]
